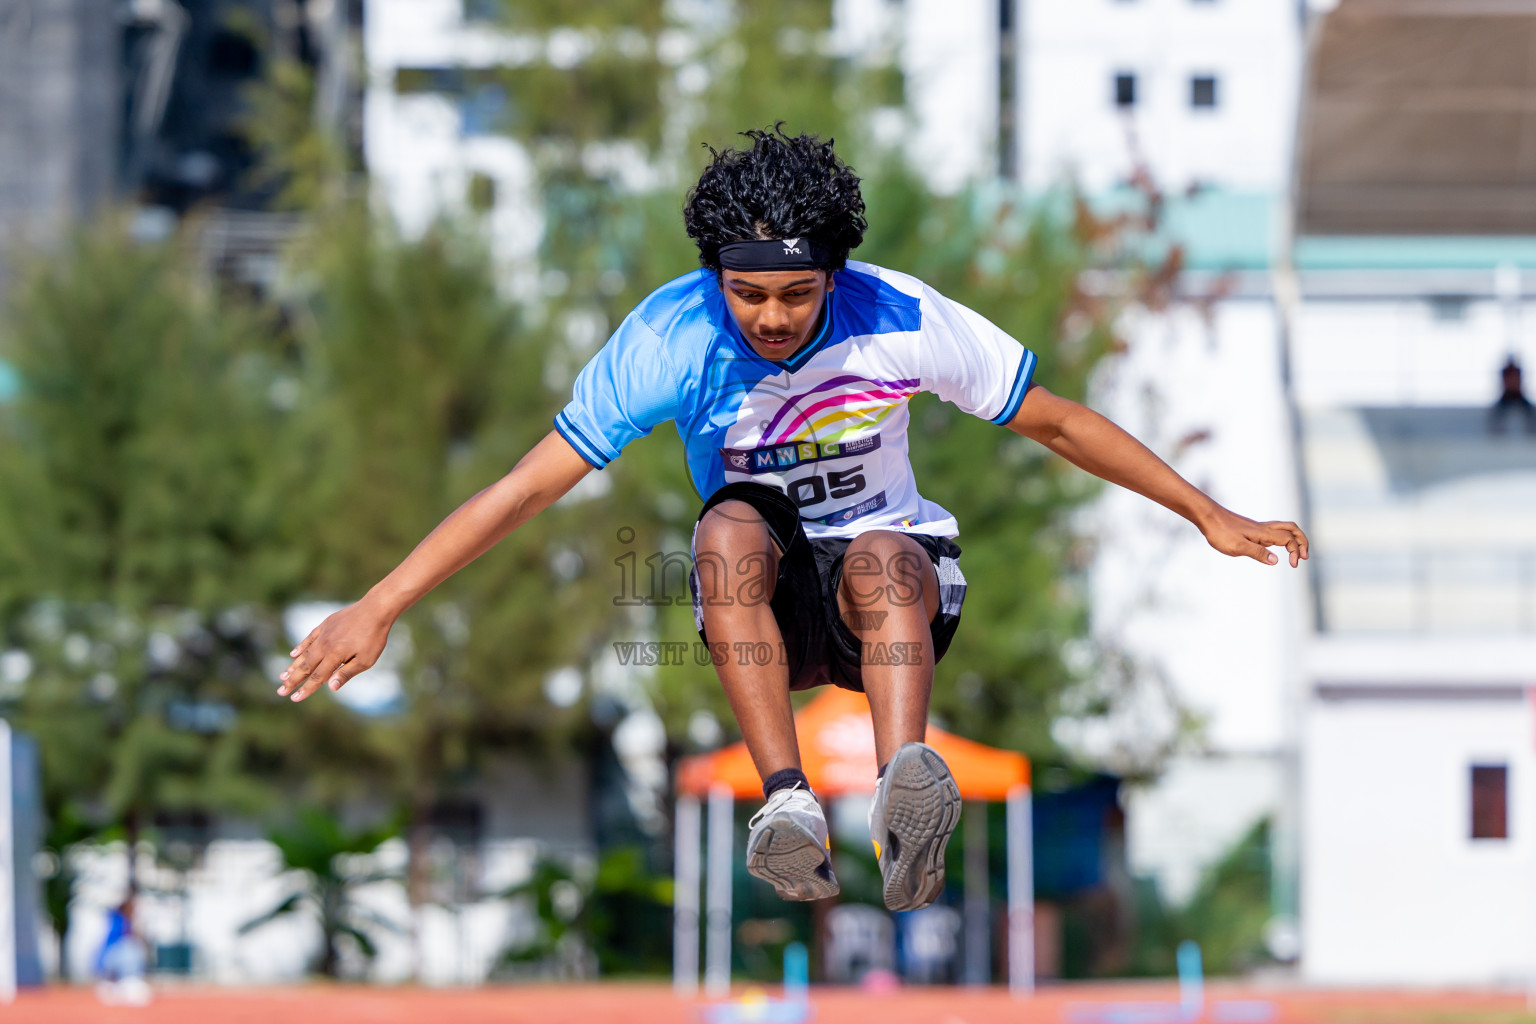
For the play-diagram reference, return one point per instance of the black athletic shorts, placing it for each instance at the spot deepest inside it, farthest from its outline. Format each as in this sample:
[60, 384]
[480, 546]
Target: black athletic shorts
[818, 644]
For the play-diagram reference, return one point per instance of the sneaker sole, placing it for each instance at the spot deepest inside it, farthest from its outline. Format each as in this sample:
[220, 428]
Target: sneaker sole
[922, 808]
[791, 860]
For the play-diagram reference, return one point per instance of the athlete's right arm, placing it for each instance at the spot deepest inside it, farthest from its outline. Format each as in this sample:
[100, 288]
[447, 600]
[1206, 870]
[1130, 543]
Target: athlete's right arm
[351, 640]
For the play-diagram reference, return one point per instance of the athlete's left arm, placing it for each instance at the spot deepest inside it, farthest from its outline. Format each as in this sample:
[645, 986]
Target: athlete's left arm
[1091, 442]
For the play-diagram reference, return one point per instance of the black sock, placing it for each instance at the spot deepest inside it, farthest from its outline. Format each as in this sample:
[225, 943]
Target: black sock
[784, 778]
[881, 773]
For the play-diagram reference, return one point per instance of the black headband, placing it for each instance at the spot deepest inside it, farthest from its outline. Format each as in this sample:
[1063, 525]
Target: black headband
[775, 254]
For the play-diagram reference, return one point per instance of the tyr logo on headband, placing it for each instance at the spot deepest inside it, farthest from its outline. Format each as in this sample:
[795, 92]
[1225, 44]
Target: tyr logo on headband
[775, 254]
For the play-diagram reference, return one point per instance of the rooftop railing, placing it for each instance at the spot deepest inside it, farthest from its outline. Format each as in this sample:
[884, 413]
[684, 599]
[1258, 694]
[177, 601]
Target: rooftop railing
[1427, 591]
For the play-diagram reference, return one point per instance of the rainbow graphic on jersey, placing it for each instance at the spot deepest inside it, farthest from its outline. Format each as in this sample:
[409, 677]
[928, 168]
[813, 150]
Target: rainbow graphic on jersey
[833, 417]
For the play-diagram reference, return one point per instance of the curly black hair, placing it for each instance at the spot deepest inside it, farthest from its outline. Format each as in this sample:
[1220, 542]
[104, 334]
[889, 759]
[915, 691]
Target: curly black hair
[783, 187]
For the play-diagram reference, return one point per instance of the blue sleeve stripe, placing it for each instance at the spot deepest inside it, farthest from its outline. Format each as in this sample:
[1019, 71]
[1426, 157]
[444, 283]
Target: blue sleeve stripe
[598, 449]
[577, 440]
[1020, 385]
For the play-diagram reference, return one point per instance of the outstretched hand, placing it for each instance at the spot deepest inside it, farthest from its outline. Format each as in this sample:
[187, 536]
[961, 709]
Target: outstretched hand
[347, 642]
[1235, 535]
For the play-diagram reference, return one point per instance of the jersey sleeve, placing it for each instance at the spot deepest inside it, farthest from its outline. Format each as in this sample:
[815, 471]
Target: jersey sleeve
[627, 388]
[970, 361]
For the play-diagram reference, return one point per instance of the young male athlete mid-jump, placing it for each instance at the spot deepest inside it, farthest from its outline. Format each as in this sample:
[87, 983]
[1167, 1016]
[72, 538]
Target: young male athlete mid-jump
[787, 370]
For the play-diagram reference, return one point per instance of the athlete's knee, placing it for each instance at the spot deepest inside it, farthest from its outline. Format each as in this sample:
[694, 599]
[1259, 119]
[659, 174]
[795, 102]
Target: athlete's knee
[882, 544]
[732, 541]
[731, 517]
[883, 566]
[731, 527]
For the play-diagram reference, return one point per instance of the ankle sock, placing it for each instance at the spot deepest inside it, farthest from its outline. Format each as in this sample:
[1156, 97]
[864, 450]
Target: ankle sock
[881, 773]
[784, 778]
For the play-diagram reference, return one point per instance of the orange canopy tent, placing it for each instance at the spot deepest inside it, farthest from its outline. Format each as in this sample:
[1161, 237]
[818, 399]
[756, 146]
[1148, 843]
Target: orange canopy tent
[837, 754]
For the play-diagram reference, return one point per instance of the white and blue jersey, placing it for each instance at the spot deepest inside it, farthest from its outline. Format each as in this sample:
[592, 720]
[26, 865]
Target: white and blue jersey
[827, 426]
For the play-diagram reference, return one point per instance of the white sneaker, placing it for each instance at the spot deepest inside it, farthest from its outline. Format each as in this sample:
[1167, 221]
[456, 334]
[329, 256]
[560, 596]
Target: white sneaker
[134, 992]
[915, 810]
[789, 847]
[131, 991]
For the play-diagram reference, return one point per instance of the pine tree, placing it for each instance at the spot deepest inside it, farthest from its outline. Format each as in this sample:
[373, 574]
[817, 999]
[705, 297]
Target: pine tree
[140, 510]
[421, 386]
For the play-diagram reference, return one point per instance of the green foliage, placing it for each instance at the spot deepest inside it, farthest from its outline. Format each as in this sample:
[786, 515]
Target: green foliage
[140, 518]
[646, 16]
[608, 96]
[66, 831]
[422, 386]
[611, 914]
[323, 853]
[131, 456]
[298, 161]
[415, 381]
[481, 195]
[1226, 916]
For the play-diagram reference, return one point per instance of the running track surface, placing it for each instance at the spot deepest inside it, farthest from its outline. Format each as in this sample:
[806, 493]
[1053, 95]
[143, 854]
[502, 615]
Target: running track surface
[654, 1004]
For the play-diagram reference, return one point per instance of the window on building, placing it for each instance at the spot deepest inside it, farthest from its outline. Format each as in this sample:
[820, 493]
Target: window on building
[461, 821]
[1125, 89]
[233, 55]
[409, 81]
[1007, 79]
[1490, 801]
[481, 192]
[1447, 309]
[1202, 91]
[483, 109]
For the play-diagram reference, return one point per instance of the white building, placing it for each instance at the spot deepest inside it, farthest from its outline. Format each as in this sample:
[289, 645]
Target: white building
[1414, 265]
[1209, 636]
[1419, 839]
[485, 842]
[1201, 95]
[434, 122]
[431, 137]
[1202, 91]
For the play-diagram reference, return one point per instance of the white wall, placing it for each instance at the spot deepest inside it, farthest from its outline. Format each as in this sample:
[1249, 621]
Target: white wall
[1196, 811]
[1220, 632]
[530, 809]
[238, 881]
[950, 59]
[1072, 49]
[1393, 350]
[421, 160]
[1221, 628]
[419, 157]
[1393, 889]
[1423, 520]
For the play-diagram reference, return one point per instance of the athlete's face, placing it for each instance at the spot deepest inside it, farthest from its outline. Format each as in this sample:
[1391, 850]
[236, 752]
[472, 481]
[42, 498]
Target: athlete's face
[777, 311]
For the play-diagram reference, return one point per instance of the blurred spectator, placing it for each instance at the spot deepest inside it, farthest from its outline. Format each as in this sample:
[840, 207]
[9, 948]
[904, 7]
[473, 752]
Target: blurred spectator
[1512, 400]
[860, 939]
[930, 945]
[121, 964]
